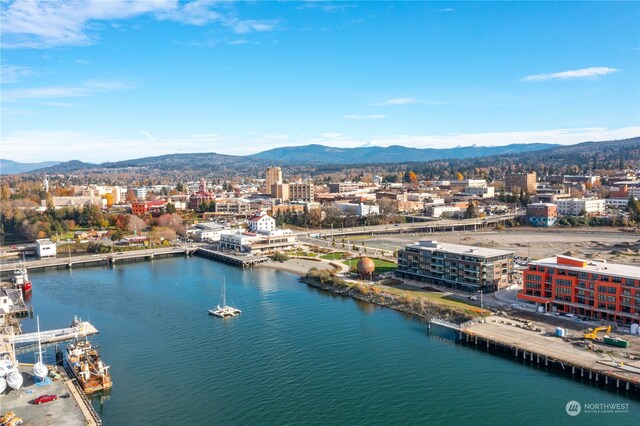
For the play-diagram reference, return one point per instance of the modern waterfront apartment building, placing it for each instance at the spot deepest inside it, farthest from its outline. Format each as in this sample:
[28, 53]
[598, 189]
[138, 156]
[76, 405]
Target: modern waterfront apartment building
[465, 268]
[596, 290]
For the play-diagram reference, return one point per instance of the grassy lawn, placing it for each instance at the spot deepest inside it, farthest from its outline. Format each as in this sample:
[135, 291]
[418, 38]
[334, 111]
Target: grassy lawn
[440, 298]
[381, 265]
[337, 256]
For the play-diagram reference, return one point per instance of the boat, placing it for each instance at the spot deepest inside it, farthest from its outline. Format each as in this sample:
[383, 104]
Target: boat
[14, 376]
[84, 363]
[223, 310]
[39, 369]
[3, 384]
[21, 279]
[14, 379]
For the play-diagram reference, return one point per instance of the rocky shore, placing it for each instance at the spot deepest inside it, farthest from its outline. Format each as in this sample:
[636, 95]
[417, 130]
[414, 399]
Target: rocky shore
[419, 307]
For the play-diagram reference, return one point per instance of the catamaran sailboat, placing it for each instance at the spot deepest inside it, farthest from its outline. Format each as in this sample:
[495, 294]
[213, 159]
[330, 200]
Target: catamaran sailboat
[222, 310]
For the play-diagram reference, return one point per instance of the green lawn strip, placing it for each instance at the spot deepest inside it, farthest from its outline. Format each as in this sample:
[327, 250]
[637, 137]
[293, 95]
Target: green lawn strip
[381, 265]
[334, 256]
[440, 298]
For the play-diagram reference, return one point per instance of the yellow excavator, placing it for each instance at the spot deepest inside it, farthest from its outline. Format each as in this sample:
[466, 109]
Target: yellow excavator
[592, 333]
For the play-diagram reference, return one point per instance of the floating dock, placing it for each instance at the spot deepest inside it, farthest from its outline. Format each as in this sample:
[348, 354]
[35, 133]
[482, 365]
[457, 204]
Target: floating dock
[606, 365]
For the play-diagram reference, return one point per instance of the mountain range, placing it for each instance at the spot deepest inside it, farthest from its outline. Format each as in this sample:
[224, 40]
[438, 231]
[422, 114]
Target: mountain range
[307, 154]
[315, 157]
[8, 167]
[320, 154]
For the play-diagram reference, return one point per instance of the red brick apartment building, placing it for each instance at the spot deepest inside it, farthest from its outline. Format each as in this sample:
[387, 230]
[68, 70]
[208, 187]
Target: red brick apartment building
[596, 290]
[144, 207]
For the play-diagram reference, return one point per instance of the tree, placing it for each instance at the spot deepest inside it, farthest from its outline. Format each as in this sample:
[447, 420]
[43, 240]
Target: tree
[459, 176]
[171, 208]
[471, 211]
[136, 224]
[161, 233]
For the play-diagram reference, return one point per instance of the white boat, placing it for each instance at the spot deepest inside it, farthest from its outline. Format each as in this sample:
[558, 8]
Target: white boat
[223, 310]
[14, 376]
[3, 384]
[39, 369]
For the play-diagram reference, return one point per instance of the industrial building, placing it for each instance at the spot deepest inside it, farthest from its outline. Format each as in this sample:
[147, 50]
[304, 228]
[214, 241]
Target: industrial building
[594, 290]
[45, 248]
[461, 267]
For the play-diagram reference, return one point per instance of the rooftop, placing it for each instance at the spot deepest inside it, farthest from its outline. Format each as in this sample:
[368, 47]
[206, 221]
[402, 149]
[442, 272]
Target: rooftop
[459, 249]
[617, 269]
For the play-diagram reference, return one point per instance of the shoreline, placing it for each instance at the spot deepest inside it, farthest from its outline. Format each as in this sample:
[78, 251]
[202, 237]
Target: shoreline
[301, 266]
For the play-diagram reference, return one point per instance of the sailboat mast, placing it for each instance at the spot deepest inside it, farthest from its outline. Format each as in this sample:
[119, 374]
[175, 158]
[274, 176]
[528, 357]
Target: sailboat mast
[224, 297]
[39, 340]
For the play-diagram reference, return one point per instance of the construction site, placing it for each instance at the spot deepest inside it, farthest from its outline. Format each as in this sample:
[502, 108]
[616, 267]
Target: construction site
[594, 354]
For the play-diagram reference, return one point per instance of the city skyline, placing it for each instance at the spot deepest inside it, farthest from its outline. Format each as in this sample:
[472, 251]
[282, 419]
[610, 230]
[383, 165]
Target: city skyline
[110, 81]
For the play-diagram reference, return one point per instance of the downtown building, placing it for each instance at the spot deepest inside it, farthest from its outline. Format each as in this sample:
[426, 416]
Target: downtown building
[525, 182]
[595, 290]
[460, 267]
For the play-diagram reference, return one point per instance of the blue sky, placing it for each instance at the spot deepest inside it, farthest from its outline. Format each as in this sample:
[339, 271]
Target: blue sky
[111, 80]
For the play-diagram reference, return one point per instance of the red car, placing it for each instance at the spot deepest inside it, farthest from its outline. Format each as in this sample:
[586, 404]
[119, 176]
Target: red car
[45, 398]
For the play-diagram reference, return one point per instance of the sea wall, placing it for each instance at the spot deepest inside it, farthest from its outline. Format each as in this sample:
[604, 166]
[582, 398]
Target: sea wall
[419, 307]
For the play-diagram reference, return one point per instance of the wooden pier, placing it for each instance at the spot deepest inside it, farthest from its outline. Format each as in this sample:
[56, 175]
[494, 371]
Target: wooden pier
[231, 259]
[533, 346]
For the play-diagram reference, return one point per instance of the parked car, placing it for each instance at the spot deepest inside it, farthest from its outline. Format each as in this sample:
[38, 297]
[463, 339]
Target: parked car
[45, 398]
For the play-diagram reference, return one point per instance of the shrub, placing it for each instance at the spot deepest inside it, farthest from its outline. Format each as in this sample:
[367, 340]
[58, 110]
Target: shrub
[279, 257]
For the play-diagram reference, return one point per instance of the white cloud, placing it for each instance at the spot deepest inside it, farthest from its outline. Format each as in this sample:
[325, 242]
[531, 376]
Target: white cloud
[250, 26]
[397, 101]
[364, 117]
[33, 146]
[85, 89]
[41, 24]
[591, 72]
[149, 135]
[13, 73]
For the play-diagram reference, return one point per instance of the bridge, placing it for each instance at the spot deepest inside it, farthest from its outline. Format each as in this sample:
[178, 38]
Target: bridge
[416, 224]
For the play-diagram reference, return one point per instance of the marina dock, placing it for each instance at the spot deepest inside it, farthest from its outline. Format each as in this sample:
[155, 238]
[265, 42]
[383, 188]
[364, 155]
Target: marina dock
[595, 362]
[82, 329]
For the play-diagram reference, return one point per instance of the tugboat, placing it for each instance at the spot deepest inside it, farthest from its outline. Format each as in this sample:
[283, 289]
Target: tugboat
[21, 279]
[83, 360]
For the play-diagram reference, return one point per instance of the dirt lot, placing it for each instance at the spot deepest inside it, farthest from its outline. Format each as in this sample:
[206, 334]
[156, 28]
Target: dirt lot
[590, 243]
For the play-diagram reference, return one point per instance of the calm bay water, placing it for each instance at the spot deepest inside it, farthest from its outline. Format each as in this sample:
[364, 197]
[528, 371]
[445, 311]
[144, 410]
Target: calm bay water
[295, 355]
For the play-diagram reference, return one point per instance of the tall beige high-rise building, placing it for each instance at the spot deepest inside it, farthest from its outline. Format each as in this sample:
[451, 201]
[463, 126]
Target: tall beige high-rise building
[516, 182]
[273, 177]
[280, 190]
